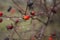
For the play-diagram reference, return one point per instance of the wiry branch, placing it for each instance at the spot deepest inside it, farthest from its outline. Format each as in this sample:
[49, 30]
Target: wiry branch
[21, 10]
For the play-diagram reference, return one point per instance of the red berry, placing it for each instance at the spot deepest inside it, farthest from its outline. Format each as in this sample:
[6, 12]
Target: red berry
[1, 20]
[26, 17]
[12, 10]
[10, 27]
[1, 14]
[53, 10]
[33, 38]
[16, 21]
[50, 38]
[53, 34]
[33, 13]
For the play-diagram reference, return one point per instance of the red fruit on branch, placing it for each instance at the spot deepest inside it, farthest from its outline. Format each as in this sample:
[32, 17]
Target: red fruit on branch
[50, 38]
[10, 27]
[33, 38]
[1, 20]
[33, 13]
[53, 34]
[1, 14]
[26, 17]
[12, 10]
[17, 21]
[53, 10]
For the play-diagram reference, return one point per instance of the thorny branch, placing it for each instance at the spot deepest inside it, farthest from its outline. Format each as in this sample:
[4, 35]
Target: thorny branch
[18, 7]
[41, 32]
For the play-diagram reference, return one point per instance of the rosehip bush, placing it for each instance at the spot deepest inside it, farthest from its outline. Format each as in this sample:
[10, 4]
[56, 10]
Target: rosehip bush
[34, 11]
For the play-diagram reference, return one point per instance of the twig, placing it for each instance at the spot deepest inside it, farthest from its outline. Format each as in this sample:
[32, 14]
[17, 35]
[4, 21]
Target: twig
[26, 8]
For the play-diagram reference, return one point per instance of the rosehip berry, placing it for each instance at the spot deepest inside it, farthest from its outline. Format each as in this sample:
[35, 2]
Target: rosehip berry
[33, 13]
[12, 10]
[16, 21]
[26, 17]
[33, 38]
[53, 34]
[1, 20]
[1, 14]
[53, 10]
[10, 27]
[50, 38]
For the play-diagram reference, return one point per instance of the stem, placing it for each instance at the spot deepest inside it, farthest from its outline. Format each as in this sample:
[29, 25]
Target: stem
[45, 6]
[41, 32]
[17, 34]
[26, 8]
[18, 7]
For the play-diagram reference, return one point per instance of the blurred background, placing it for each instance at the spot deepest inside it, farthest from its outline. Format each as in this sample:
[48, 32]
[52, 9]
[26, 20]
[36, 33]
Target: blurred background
[25, 28]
